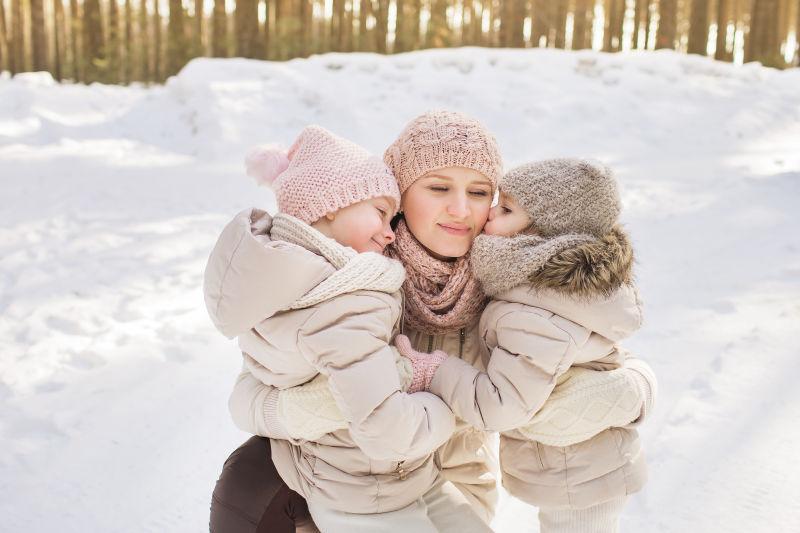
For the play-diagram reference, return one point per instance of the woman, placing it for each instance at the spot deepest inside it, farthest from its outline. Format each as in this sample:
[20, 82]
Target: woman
[447, 166]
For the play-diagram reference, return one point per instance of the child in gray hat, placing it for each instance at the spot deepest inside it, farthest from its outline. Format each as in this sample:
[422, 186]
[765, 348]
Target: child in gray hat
[558, 269]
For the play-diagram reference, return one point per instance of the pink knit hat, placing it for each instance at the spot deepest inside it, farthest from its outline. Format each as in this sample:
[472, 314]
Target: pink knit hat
[439, 139]
[321, 173]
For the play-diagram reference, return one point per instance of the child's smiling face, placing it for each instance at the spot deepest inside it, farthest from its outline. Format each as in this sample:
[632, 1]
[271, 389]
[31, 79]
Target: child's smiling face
[507, 218]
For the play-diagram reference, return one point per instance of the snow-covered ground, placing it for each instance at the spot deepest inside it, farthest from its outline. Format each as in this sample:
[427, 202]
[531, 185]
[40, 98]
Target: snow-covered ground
[113, 382]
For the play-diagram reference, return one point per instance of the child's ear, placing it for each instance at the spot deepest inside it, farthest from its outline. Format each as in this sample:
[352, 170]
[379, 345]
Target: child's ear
[331, 216]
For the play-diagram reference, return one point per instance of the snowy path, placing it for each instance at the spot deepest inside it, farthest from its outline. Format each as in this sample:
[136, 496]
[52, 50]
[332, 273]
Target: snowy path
[114, 383]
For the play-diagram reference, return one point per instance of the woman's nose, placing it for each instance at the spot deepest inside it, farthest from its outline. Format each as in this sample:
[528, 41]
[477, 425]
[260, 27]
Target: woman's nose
[458, 207]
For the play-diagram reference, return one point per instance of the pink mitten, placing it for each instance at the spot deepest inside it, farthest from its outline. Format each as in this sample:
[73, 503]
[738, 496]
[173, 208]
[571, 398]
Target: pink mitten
[423, 364]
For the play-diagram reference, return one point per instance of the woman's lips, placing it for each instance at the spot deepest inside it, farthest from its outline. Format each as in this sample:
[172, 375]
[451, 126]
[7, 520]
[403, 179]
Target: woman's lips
[455, 229]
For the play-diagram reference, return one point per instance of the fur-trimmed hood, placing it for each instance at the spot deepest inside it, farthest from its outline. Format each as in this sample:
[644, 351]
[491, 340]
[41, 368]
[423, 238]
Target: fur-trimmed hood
[590, 269]
[588, 281]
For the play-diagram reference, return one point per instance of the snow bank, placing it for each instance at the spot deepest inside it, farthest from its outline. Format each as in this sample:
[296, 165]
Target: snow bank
[114, 384]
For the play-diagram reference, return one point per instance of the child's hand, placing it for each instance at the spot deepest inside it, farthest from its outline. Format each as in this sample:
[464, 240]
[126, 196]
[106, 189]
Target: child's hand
[424, 364]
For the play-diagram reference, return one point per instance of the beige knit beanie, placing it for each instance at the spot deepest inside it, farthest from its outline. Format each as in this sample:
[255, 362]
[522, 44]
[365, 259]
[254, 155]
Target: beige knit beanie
[440, 139]
[565, 195]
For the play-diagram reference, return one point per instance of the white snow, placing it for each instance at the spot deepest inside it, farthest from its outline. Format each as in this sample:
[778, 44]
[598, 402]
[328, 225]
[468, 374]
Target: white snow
[114, 383]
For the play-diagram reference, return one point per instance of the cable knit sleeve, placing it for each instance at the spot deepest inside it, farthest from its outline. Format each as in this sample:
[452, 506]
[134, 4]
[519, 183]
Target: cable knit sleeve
[587, 402]
[347, 339]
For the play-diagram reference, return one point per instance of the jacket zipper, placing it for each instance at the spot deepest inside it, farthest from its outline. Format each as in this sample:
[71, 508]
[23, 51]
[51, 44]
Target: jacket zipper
[461, 335]
[401, 473]
[430, 343]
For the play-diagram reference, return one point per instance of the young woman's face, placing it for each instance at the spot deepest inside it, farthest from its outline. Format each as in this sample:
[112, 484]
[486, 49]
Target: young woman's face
[507, 218]
[446, 208]
[363, 226]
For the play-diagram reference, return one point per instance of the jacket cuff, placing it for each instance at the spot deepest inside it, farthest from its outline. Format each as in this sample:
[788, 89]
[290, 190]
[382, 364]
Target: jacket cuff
[648, 387]
[445, 377]
[274, 429]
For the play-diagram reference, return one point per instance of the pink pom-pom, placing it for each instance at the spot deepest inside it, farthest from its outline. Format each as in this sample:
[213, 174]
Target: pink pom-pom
[265, 163]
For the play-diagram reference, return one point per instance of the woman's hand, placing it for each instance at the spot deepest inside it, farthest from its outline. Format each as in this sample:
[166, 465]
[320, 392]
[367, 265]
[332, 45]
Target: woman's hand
[424, 364]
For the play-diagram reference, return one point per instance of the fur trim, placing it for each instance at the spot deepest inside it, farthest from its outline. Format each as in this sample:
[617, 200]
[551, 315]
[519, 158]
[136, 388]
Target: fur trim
[590, 269]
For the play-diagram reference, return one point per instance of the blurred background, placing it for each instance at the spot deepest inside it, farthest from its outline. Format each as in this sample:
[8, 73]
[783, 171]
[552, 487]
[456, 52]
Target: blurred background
[122, 41]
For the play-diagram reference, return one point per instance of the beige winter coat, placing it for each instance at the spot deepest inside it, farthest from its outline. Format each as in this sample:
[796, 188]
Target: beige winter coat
[385, 459]
[467, 459]
[531, 337]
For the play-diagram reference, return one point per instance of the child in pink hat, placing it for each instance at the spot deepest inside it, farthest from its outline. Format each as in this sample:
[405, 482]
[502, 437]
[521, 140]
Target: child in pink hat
[312, 300]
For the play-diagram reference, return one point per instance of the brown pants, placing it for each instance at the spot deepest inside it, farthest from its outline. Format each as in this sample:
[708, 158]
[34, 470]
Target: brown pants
[250, 496]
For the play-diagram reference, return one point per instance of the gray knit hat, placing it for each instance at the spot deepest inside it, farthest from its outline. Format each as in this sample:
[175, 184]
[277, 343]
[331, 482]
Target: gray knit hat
[565, 195]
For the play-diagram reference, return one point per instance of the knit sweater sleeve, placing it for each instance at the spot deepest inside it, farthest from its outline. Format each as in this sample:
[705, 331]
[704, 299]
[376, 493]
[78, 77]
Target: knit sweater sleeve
[532, 350]
[352, 349]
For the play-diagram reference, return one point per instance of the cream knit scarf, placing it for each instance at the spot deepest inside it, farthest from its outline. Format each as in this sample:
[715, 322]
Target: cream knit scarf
[501, 263]
[354, 271]
[440, 296]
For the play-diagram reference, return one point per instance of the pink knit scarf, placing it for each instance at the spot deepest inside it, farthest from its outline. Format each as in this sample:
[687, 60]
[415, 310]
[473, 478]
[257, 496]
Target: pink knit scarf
[440, 296]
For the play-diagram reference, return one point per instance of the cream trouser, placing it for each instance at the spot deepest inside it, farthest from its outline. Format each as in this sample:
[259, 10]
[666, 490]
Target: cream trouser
[443, 508]
[601, 518]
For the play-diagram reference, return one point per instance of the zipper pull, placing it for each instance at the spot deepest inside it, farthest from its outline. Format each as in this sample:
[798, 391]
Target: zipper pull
[401, 473]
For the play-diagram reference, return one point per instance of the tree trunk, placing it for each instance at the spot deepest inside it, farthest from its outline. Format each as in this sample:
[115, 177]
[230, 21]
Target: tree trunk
[246, 28]
[219, 43]
[177, 45]
[639, 21]
[94, 45]
[335, 41]
[197, 34]
[381, 11]
[698, 27]
[762, 43]
[5, 60]
[17, 51]
[512, 23]
[615, 17]
[667, 24]
[59, 39]
[407, 33]
[38, 35]
[797, 35]
[158, 67]
[143, 70]
[561, 7]
[723, 18]
[113, 43]
[130, 56]
[540, 22]
[582, 29]
[438, 30]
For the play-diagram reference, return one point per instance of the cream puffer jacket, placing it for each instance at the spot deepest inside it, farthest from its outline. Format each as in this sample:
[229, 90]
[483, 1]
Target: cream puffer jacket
[384, 459]
[572, 312]
[533, 337]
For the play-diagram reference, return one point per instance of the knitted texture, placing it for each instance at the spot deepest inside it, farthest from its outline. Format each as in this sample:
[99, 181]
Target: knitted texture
[325, 173]
[424, 365]
[501, 263]
[310, 411]
[354, 271]
[440, 139]
[585, 403]
[648, 387]
[600, 518]
[565, 196]
[440, 296]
